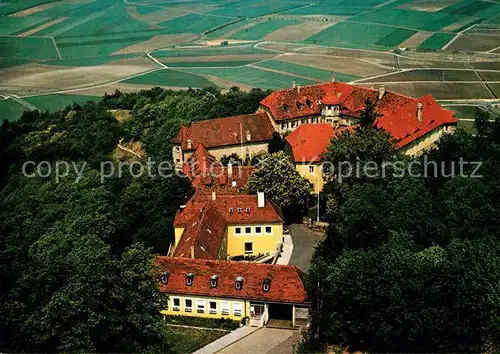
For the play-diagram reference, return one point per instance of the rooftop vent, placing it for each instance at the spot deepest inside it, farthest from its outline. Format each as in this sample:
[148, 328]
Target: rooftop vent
[266, 285]
[238, 283]
[309, 103]
[164, 277]
[214, 279]
[189, 279]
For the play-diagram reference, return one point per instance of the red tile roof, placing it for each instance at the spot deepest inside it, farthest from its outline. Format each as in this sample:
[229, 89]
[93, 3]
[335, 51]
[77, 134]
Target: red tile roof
[205, 221]
[399, 111]
[218, 180]
[200, 162]
[309, 141]
[286, 281]
[225, 131]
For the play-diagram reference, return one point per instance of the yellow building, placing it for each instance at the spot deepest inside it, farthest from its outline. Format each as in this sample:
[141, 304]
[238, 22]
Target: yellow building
[226, 226]
[256, 293]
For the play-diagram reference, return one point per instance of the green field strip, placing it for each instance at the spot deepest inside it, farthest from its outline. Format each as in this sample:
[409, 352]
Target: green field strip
[436, 41]
[57, 101]
[220, 33]
[10, 110]
[146, 10]
[352, 35]
[16, 6]
[16, 25]
[329, 7]
[252, 77]
[260, 30]
[304, 70]
[256, 8]
[28, 48]
[395, 38]
[173, 78]
[223, 50]
[93, 61]
[11, 62]
[427, 21]
[194, 23]
[209, 64]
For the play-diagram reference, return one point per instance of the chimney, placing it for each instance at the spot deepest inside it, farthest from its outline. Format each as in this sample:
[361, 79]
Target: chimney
[189, 143]
[182, 207]
[298, 88]
[249, 136]
[214, 196]
[333, 77]
[381, 91]
[191, 249]
[293, 84]
[420, 110]
[229, 170]
[261, 201]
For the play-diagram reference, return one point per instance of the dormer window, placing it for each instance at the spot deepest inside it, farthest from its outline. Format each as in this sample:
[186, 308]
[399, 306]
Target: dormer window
[300, 106]
[189, 279]
[231, 210]
[214, 279]
[286, 108]
[238, 283]
[239, 210]
[266, 285]
[247, 210]
[309, 103]
[164, 277]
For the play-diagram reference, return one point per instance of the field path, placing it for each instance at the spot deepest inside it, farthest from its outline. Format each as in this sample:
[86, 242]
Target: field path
[24, 103]
[156, 61]
[57, 49]
[457, 36]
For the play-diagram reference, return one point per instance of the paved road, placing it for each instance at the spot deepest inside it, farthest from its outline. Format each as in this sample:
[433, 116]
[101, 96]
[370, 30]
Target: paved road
[265, 340]
[304, 241]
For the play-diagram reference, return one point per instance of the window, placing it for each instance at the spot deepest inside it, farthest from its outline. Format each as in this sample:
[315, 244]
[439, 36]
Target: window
[214, 280]
[248, 247]
[189, 279]
[283, 126]
[269, 229]
[239, 210]
[311, 185]
[177, 160]
[224, 308]
[176, 304]
[258, 229]
[311, 169]
[212, 307]
[303, 121]
[247, 210]
[237, 230]
[293, 124]
[238, 283]
[309, 103]
[237, 308]
[188, 305]
[200, 306]
[286, 108]
[248, 230]
[177, 149]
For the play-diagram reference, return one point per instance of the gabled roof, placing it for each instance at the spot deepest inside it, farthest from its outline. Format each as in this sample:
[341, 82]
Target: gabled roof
[221, 181]
[399, 112]
[200, 162]
[225, 131]
[286, 281]
[309, 141]
[205, 221]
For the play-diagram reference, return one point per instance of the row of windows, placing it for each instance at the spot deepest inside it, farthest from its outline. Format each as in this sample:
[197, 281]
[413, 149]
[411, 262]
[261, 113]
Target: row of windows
[257, 230]
[296, 123]
[213, 308]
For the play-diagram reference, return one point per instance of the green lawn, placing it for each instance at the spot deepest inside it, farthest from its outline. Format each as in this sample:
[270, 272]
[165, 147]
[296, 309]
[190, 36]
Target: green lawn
[10, 110]
[260, 30]
[303, 70]
[27, 48]
[170, 78]
[253, 77]
[187, 340]
[56, 102]
[436, 41]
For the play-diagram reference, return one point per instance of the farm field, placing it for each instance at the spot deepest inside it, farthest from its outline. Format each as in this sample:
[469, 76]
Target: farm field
[10, 110]
[476, 43]
[56, 102]
[262, 29]
[436, 41]
[440, 91]
[28, 48]
[170, 78]
[428, 75]
[223, 51]
[304, 71]
[253, 77]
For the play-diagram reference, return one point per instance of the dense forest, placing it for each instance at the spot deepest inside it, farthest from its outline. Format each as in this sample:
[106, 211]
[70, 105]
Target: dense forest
[76, 253]
[411, 263]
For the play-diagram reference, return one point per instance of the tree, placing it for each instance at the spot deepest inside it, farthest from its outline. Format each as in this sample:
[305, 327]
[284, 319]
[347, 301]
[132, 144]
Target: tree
[233, 159]
[369, 114]
[277, 177]
[277, 143]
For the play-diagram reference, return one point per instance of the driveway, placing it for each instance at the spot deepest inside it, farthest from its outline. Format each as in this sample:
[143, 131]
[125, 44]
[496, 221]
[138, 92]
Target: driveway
[265, 340]
[304, 241]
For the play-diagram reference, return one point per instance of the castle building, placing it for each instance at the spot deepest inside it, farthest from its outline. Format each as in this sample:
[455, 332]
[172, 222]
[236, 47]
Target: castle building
[258, 293]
